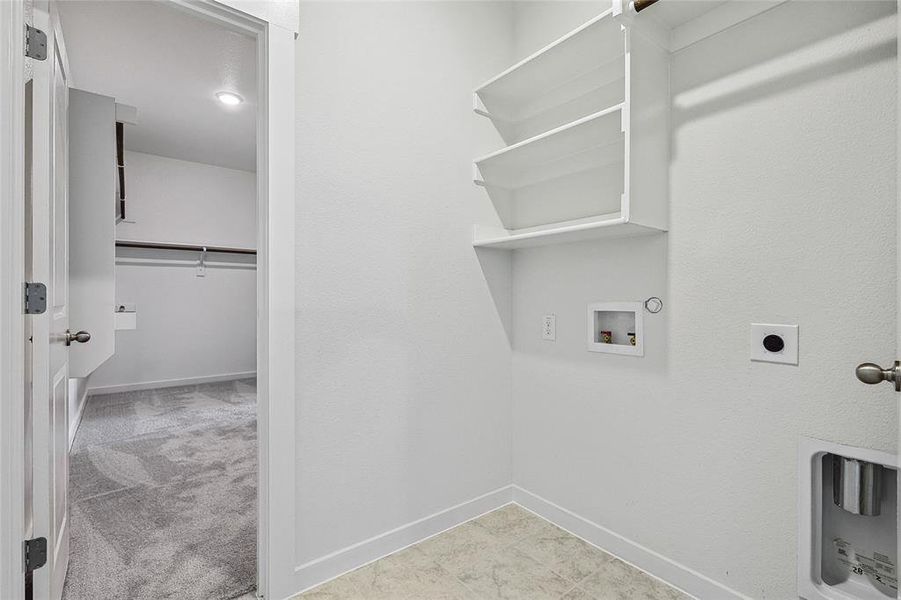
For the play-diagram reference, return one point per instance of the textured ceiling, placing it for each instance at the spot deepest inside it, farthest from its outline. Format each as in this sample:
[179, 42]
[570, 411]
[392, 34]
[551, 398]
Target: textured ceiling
[169, 64]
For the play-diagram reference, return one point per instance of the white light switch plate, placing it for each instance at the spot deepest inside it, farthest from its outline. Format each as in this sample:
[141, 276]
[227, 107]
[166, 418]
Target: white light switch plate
[549, 328]
[789, 334]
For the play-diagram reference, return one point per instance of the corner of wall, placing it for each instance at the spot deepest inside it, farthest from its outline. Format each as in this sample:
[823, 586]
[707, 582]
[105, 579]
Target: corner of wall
[78, 396]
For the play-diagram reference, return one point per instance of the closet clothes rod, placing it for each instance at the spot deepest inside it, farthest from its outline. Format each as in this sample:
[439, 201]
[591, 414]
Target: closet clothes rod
[640, 5]
[192, 247]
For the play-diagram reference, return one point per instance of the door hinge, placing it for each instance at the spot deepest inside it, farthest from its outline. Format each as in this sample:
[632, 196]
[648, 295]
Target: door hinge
[35, 298]
[35, 43]
[35, 553]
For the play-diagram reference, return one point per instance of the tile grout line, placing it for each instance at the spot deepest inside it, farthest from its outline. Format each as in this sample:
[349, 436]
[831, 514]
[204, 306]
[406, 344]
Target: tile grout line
[545, 565]
[593, 545]
[485, 562]
[458, 580]
[513, 545]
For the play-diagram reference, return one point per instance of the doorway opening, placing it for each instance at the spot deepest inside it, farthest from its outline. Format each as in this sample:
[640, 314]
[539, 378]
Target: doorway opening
[162, 205]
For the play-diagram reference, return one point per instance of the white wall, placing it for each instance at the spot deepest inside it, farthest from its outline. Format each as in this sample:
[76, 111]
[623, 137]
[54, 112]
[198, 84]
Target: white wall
[173, 200]
[190, 328]
[403, 363]
[783, 201]
[78, 393]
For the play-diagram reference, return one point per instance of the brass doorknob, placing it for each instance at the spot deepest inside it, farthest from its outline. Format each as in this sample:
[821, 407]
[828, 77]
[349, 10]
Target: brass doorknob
[871, 373]
[82, 337]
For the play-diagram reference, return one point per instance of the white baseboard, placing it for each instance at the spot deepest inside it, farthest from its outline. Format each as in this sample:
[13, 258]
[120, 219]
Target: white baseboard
[320, 570]
[323, 569]
[152, 385]
[326, 568]
[677, 575]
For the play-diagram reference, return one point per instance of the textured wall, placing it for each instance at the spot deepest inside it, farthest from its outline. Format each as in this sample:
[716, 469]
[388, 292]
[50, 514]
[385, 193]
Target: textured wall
[783, 202]
[403, 366]
[172, 200]
[188, 326]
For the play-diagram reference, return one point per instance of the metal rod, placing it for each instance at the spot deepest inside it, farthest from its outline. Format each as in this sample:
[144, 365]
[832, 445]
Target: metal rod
[173, 246]
[640, 5]
[120, 166]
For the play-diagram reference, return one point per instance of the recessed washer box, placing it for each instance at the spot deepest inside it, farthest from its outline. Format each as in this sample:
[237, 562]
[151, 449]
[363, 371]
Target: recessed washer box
[616, 328]
[774, 343]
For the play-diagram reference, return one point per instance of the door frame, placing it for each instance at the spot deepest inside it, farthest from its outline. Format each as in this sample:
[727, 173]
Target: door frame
[12, 275]
[273, 25]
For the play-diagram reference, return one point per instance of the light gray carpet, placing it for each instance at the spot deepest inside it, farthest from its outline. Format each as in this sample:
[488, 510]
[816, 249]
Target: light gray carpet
[162, 495]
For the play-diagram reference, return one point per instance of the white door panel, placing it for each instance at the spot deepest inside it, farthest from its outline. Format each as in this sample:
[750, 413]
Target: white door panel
[92, 228]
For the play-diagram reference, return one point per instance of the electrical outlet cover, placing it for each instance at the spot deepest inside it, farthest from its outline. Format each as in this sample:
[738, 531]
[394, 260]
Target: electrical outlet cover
[549, 328]
[787, 355]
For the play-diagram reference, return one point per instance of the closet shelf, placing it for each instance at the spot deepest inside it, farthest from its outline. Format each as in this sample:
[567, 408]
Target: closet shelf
[587, 58]
[675, 25]
[604, 226]
[586, 120]
[591, 141]
[565, 160]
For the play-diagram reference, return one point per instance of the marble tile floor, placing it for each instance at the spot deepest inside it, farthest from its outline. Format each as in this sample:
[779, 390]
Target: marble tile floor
[509, 553]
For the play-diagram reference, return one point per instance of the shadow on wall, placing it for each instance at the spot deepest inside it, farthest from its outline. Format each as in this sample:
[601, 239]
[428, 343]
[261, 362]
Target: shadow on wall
[794, 56]
[497, 268]
[564, 279]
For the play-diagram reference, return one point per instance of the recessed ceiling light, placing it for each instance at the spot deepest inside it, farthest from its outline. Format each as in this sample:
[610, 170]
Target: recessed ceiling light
[229, 98]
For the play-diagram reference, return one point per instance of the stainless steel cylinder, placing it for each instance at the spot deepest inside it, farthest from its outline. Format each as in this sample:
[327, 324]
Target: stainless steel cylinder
[857, 485]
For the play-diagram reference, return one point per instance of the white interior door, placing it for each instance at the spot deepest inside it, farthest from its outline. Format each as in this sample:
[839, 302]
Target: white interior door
[49, 264]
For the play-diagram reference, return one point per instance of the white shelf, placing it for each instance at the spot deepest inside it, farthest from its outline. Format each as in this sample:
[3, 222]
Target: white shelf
[578, 165]
[591, 141]
[587, 120]
[600, 227]
[586, 59]
[587, 63]
[677, 24]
